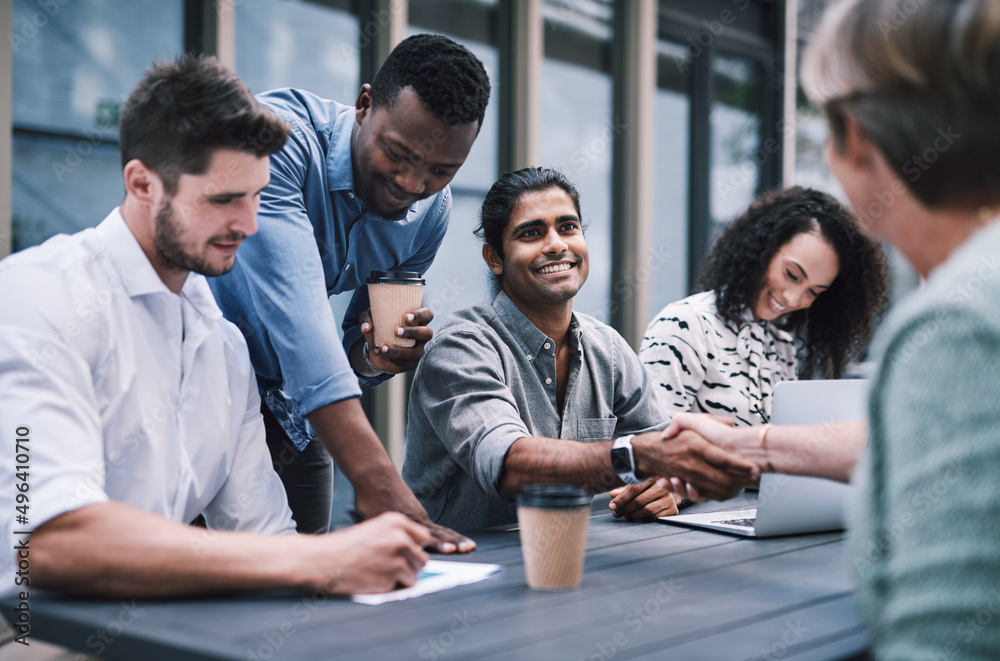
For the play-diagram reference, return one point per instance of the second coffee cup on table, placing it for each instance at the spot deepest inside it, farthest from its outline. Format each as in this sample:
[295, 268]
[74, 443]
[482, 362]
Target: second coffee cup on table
[392, 295]
[553, 522]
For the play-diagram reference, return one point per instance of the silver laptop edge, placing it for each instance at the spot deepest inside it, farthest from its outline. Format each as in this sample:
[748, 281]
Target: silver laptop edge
[790, 504]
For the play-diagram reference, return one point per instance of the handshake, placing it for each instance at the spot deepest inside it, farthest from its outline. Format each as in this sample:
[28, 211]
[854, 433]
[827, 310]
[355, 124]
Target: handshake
[703, 457]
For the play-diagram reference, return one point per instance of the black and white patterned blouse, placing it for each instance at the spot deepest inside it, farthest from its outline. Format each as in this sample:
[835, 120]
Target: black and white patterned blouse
[698, 362]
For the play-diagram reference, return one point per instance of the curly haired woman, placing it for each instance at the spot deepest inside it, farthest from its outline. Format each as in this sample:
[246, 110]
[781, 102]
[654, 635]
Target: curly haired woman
[795, 264]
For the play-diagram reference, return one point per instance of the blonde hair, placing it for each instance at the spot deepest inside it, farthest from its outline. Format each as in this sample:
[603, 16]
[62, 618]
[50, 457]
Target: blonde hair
[922, 80]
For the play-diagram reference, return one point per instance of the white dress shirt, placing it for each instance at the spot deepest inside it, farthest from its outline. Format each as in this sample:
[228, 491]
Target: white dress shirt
[131, 393]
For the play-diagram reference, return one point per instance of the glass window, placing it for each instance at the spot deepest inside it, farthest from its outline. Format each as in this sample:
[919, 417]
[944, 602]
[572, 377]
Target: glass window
[668, 258]
[73, 65]
[735, 120]
[301, 44]
[459, 277]
[294, 43]
[577, 128]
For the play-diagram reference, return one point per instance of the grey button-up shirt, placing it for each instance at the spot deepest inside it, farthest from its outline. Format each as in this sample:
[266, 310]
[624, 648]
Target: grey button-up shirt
[487, 379]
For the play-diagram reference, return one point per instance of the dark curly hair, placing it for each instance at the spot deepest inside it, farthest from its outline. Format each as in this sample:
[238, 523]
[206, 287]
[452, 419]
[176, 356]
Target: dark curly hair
[838, 326]
[449, 80]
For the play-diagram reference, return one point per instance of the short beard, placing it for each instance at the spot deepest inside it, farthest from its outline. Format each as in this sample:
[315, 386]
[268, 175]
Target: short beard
[170, 252]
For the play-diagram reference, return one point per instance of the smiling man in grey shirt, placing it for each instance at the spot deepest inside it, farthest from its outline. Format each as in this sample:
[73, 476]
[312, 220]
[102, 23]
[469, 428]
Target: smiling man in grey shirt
[523, 390]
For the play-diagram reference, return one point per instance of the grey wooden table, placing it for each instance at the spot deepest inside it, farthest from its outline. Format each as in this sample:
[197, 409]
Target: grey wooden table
[650, 591]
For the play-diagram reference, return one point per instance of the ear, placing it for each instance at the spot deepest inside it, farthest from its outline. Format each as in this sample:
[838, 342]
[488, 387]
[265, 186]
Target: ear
[492, 259]
[363, 104]
[859, 151]
[142, 183]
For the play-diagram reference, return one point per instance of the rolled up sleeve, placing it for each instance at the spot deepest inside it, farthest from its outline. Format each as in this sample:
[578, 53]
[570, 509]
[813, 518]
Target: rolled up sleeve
[284, 273]
[50, 402]
[463, 393]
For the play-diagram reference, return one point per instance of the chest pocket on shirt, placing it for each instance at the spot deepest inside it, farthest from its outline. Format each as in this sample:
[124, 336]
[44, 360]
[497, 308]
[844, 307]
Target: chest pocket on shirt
[596, 429]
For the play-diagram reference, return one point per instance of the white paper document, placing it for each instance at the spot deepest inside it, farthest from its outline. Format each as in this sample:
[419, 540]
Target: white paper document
[436, 575]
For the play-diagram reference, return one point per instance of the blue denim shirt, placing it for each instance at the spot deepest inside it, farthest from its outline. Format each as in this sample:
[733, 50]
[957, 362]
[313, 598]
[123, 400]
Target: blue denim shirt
[487, 379]
[315, 239]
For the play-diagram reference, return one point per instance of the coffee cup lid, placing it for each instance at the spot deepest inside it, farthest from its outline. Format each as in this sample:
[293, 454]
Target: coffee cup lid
[553, 496]
[395, 278]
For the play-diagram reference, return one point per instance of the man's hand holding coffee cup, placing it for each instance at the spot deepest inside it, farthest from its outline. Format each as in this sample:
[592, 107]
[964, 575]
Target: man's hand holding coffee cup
[394, 327]
[392, 358]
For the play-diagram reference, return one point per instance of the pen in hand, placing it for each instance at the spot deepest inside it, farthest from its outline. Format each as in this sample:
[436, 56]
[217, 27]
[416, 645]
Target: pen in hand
[761, 413]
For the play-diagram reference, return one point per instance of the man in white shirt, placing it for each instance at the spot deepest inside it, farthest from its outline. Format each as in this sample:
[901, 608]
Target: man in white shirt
[129, 404]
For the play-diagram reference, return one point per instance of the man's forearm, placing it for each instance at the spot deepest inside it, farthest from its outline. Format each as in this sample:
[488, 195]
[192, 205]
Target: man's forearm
[358, 452]
[144, 555]
[355, 447]
[716, 473]
[532, 460]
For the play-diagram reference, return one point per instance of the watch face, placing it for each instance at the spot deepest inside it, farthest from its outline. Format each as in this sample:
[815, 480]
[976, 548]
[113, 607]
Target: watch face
[620, 460]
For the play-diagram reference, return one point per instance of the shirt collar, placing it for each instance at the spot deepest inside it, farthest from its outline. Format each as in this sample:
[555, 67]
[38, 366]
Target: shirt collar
[137, 275]
[339, 170]
[531, 340]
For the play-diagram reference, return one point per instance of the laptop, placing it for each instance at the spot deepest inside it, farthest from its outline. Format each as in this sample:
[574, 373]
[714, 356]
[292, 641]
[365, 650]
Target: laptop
[792, 504]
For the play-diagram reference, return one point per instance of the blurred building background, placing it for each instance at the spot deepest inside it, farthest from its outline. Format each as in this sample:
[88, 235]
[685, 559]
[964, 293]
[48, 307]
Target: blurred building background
[669, 115]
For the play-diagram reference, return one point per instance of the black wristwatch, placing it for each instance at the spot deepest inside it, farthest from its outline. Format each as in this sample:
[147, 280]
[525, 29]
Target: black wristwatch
[623, 461]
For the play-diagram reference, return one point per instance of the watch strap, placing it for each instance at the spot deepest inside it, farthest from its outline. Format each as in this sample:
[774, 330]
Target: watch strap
[623, 459]
[368, 361]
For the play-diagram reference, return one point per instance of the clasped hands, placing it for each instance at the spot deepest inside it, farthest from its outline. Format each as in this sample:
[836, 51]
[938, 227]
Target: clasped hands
[683, 463]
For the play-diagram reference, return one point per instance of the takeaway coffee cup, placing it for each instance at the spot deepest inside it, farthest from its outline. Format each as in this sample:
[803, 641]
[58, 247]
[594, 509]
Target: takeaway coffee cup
[392, 295]
[553, 522]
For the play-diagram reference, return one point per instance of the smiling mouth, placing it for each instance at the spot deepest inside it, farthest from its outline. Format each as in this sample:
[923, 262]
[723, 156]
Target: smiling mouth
[398, 198]
[555, 268]
[230, 246]
[776, 306]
